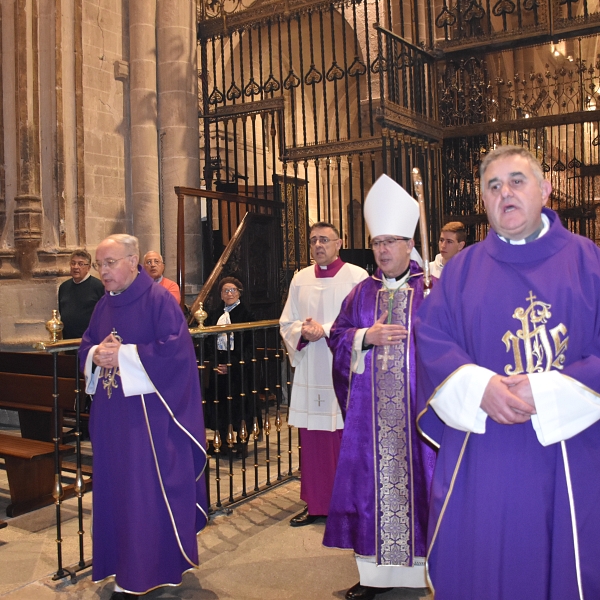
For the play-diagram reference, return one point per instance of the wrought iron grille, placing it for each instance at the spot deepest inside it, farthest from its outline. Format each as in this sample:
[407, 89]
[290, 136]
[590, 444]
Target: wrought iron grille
[331, 94]
[569, 157]
[558, 78]
[327, 94]
[543, 97]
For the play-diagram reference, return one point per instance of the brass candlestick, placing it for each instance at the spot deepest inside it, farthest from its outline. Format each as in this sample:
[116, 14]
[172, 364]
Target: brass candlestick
[200, 315]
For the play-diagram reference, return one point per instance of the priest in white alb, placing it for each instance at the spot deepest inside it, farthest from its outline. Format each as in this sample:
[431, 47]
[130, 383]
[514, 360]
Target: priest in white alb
[314, 299]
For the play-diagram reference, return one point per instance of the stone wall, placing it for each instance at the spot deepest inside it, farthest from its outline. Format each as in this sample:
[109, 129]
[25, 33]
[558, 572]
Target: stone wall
[72, 170]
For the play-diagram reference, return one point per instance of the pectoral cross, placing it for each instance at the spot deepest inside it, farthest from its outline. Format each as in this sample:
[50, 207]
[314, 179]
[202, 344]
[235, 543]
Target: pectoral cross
[319, 399]
[108, 375]
[386, 349]
[109, 382]
[385, 357]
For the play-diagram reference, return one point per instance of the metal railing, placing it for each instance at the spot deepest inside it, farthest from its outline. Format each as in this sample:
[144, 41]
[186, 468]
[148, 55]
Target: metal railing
[267, 445]
[245, 406]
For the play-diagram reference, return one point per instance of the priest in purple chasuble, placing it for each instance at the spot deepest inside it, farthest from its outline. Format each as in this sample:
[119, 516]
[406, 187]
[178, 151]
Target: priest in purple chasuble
[509, 352]
[379, 505]
[146, 428]
[314, 300]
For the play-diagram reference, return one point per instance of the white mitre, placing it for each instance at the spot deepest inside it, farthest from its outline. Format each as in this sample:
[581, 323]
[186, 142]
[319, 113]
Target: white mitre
[390, 210]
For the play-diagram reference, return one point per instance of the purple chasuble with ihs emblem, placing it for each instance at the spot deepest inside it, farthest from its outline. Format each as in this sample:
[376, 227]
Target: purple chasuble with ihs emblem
[511, 518]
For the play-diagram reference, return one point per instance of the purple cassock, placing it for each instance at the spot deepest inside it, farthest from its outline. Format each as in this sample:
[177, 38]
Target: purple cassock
[149, 498]
[510, 518]
[379, 505]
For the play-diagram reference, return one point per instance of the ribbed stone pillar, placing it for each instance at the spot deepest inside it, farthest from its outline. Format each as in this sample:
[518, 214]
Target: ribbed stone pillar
[178, 126]
[144, 124]
[28, 202]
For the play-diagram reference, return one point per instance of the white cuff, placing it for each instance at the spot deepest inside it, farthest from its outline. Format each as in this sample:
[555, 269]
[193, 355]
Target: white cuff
[91, 378]
[134, 378]
[564, 407]
[358, 353]
[457, 402]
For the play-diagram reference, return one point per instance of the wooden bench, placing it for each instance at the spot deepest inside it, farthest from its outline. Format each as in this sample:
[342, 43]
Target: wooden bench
[27, 386]
[30, 471]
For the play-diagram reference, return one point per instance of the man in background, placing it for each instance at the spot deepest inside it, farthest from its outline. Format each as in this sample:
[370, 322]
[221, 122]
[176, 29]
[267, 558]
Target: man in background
[314, 299]
[77, 296]
[155, 267]
[453, 238]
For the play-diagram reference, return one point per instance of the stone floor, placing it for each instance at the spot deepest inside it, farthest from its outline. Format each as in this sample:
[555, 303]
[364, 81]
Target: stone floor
[249, 553]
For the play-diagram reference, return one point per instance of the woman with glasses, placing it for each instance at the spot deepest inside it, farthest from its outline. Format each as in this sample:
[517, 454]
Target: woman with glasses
[230, 412]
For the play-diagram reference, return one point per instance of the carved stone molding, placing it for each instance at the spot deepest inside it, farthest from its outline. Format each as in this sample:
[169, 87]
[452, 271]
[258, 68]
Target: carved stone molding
[8, 265]
[28, 231]
[53, 263]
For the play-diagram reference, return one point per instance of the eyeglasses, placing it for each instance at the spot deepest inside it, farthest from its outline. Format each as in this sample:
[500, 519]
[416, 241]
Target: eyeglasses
[79, 264]
[153, 261]
[230, 290]
[109, 263]
[321, 240]
[388, 243]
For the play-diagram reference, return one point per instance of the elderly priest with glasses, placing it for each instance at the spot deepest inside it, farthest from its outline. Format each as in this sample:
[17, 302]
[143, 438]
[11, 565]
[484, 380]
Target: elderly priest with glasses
[379, 505]
[146, 428]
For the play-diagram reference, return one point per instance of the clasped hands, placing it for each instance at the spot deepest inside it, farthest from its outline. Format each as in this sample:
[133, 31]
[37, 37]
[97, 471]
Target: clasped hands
[385, 334]
[311, 330]
[107, 353]
[508, 400]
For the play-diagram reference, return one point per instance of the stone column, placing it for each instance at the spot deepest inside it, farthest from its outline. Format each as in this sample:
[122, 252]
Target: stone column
[144, 125]
[28, 201]
[2, 177]
[178, 126]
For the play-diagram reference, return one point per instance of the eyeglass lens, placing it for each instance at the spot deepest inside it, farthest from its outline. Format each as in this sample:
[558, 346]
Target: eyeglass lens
[321, 240]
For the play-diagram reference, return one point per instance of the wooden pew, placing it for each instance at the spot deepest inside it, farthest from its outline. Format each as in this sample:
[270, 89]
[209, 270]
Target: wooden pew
[30, 471]
[27, 385]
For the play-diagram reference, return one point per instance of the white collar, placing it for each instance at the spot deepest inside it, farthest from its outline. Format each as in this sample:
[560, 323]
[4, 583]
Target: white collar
[86, 277]
[543, 231]
[393, 283]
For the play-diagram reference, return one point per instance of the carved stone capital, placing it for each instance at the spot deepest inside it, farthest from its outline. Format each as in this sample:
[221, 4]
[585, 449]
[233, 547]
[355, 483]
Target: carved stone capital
[28, 231]
[28, 218]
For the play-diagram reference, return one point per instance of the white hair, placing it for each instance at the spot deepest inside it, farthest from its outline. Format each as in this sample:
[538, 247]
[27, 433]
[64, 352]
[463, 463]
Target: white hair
[129, 242]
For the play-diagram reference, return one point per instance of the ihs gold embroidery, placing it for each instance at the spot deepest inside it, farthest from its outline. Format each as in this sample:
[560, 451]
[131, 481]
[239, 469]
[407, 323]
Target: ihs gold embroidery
[539, 354]
[108, 376]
